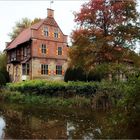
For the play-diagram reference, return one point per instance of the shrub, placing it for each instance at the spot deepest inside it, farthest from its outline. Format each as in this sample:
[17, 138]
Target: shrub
[2, 79]
[74, 74]
[52, 88]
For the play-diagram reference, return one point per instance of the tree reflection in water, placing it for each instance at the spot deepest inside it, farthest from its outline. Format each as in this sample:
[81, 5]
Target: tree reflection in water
[32, 122]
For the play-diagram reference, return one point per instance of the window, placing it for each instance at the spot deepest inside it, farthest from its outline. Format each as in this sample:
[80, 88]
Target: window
[59, 50]
[25, 69]
[44, 69]
[43, 48]
[59, 70]
[13, 55]
[56, 33]
[46, 32]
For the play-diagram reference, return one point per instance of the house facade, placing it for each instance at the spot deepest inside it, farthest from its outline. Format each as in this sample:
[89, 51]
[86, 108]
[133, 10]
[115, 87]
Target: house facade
[38, 52]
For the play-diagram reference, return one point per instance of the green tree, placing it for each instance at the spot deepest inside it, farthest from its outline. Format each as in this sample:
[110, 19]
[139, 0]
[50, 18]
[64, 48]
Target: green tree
[3, 61]
[4, 76]
[106, 31]
[21, 25]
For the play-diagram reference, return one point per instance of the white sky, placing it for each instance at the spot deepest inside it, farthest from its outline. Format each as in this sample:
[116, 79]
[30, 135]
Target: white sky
[12, 11]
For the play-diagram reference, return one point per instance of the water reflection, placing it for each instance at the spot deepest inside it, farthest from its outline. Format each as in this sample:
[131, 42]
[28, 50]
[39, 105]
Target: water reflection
[24, 122]
[42, 123]
[70, 130]
[2, 126]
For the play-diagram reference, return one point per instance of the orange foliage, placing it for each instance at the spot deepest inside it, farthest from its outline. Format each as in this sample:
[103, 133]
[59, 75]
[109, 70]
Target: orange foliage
[104, 28]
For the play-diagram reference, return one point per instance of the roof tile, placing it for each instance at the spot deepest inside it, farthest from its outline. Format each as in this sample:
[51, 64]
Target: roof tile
[24, 36]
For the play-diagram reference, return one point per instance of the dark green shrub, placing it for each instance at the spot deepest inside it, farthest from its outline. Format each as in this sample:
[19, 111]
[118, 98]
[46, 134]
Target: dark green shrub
[74, 74]
[4, 77]
[95, 76]
[99, 73]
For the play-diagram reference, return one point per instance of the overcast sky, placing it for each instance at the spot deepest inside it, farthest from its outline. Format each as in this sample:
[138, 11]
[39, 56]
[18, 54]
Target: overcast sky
[12, 11]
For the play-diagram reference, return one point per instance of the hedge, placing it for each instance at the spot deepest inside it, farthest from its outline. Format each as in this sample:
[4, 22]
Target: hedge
[61, 89]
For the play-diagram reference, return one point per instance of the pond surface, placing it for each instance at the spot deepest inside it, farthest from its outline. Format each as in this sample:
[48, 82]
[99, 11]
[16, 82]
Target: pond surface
[36, 122]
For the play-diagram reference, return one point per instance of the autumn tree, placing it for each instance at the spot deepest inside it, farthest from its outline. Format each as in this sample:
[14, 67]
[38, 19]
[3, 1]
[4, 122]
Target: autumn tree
[21, 25]
[106, 30]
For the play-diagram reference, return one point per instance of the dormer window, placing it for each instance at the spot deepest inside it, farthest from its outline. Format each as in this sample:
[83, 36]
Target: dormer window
[56, 33]
[46, 31]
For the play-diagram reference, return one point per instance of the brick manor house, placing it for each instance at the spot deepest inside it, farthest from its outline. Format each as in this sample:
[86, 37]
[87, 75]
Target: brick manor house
[38, 52]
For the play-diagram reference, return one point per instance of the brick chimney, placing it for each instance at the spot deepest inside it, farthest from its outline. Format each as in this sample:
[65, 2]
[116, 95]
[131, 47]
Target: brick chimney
[50, 13]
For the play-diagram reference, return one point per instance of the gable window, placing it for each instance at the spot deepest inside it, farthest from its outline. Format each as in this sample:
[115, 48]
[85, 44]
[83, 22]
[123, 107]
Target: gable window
[56, 33]
[59, 50]
[46, 31]
[25, 69]
[44, 69]
[58, 69]
[43, 48]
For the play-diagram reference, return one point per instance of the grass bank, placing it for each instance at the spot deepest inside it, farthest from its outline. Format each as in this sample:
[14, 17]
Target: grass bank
[70, 94]
[18, 97]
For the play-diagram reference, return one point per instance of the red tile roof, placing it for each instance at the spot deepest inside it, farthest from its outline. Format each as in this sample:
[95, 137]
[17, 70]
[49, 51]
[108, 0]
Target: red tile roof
[21, 38]
[26, 35]
[37, 25]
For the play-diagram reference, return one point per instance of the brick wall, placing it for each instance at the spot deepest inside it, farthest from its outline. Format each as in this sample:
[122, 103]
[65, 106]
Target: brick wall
[36, 68]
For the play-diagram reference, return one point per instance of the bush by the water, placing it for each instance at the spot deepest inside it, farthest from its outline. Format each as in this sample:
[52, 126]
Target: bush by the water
[103, 93]
[52, 88]
[69, 93]
[126, 94]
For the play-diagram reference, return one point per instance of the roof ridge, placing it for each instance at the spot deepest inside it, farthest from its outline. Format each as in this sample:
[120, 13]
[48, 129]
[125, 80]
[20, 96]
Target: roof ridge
[37, 25]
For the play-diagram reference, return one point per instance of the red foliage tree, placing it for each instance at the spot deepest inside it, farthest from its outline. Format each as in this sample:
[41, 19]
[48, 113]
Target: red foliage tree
[104, 29]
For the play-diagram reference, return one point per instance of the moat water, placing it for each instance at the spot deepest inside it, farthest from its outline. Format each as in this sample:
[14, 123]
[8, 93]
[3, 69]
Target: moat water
[40, 122]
